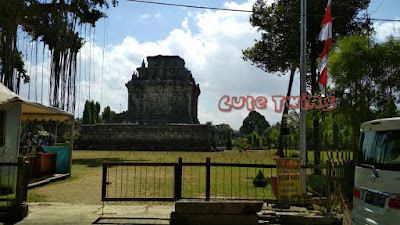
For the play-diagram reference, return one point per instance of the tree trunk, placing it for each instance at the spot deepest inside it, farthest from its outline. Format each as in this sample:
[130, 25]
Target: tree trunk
[316, 130]
[283, 133]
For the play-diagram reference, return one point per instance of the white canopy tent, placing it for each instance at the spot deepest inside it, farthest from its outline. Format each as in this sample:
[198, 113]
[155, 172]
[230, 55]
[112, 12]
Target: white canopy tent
[33, 110]
[13, 109]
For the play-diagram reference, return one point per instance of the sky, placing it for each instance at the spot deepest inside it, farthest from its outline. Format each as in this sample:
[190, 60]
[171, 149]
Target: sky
[210, 42]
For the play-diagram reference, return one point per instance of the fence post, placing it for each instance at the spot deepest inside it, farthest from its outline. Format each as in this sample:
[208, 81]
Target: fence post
[18, 194]
[208, 176]
[329, 174]
[27, 170]
[178, 180]
[22, 181]
[104, 183]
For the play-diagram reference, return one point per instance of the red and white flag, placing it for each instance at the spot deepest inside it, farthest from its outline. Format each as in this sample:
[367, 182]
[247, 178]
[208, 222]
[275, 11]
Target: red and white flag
[325, 35]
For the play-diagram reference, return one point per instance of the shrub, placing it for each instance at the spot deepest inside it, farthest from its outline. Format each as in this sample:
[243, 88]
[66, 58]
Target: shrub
[260, 180]
[295, 155]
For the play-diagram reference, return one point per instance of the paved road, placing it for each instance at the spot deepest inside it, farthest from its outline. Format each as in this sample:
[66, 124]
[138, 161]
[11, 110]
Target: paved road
[63, 213]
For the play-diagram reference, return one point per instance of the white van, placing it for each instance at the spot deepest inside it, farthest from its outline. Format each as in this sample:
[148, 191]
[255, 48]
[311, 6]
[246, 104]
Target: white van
[376, 195]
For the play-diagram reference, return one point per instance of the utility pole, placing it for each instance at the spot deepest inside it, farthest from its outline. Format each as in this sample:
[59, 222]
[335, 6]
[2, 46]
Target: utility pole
[303, 91]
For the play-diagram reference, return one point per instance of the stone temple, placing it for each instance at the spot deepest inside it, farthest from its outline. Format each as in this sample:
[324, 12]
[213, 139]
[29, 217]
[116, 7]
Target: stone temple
[161, 115]
[164, 92]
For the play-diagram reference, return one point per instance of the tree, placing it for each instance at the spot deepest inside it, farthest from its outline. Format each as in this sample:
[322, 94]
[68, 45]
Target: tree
[267, 57]
[270, 136]
[278, 48]
[98, 108]
[87, 114]
[91, 113]
[242, 144]
[108, 115]
[95, 110]
[255, 140]
[254, 122]
[292, 125]
[53, 23]
[336, 138]
[223, 133]
[228, 142]
[273, 136]
[365, 76]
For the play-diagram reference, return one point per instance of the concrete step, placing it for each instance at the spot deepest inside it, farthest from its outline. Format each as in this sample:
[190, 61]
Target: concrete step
[267, 217]
[295, 216]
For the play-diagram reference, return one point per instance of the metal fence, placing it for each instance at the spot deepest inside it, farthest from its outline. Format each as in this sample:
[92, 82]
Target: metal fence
[13, 185]
[7, 183]
[137, 181]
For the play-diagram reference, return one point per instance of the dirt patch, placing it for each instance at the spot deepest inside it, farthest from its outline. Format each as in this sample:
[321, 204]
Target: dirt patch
[83, 190]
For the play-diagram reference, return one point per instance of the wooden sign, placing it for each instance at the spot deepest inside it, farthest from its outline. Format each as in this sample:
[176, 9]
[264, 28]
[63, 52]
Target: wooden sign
[289, 180]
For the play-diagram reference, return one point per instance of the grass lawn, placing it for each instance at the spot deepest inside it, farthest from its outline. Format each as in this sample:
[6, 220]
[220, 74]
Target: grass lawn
[84, 185]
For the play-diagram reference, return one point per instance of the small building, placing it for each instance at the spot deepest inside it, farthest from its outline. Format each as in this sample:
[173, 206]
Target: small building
[14, 109]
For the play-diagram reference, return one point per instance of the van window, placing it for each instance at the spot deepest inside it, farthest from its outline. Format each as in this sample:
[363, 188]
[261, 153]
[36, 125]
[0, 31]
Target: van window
[381, 149]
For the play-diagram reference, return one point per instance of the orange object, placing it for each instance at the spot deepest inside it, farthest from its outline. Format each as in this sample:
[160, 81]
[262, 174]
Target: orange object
[274, 184]
[48, 163]
[43, 163]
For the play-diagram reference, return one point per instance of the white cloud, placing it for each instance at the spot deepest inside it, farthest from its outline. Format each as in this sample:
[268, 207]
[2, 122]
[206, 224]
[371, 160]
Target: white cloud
[384, 30]
[157, 16]
[213, 54]
[143, 16]
[185, 24]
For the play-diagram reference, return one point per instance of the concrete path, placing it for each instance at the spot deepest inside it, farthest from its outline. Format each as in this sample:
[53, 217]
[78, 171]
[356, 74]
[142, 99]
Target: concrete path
[63, 213]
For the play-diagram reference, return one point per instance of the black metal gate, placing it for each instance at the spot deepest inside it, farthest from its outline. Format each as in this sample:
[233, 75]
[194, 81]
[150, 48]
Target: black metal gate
[140, 182]
[137, 181]
[173, 181]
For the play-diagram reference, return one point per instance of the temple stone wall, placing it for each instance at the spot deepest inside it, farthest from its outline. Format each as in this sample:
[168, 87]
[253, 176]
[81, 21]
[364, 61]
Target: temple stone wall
[172, 137]
[161, 115]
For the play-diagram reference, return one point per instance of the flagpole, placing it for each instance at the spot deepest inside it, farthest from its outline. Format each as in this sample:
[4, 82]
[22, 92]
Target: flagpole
[303, 71]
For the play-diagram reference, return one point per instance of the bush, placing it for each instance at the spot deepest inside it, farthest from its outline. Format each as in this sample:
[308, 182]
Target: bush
[260, 180]
[295, 155]
[241, 144]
